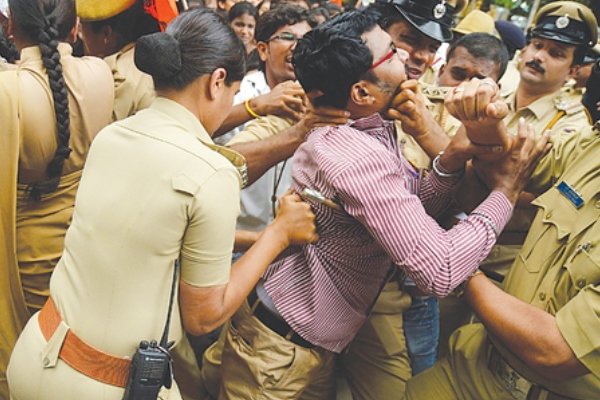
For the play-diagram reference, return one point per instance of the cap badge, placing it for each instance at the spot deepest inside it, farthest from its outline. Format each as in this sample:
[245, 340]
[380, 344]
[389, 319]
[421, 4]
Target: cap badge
[562, 22]
[439, 10]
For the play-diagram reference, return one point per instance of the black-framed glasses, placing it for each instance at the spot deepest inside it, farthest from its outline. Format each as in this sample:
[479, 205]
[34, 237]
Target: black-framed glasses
[285, 37]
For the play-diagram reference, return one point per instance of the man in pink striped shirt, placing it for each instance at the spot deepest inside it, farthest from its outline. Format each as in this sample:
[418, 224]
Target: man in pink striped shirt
[312, 302]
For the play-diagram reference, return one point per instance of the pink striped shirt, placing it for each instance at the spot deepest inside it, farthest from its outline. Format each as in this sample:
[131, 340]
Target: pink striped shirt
[326, 290]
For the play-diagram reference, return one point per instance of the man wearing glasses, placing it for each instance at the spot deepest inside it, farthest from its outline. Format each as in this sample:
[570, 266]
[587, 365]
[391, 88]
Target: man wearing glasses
[313, 301]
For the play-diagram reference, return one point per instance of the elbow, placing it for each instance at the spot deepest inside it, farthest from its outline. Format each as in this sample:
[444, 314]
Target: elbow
[556, 367]
[199, 328]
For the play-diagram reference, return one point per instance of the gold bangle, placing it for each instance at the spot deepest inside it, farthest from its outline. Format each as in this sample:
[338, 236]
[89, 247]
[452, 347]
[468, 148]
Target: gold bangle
[250, 110]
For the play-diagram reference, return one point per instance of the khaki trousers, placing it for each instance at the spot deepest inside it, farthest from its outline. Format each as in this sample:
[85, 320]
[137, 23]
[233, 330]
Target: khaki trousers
[258, 363]
[376, 364]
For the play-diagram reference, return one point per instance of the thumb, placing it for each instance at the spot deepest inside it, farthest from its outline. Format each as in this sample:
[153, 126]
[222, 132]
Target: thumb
[497, 110]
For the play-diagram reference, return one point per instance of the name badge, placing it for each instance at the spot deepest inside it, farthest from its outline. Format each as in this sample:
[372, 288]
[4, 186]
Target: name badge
[566, 190]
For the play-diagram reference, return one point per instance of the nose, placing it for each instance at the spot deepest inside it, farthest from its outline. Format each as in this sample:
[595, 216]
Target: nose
[403, 54]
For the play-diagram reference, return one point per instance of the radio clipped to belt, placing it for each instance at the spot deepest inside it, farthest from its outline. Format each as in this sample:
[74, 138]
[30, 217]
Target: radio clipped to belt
[151, 365]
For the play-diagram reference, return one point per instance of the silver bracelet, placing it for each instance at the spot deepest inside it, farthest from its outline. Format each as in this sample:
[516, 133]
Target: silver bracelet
[488, 221]
[439, 170]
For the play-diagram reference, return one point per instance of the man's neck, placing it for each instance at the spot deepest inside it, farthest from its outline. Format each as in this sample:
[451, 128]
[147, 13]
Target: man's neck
[271, 81]
[527, 94]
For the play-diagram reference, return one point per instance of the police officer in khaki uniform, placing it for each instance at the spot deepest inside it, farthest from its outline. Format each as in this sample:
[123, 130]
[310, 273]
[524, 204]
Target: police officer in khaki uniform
[109, 29]
[554, 52]
[538, 337]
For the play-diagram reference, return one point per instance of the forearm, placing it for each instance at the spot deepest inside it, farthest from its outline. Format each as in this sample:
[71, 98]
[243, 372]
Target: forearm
[245, 239]
[433, 141]
[236, 117]
[525, 330]
[264, 154]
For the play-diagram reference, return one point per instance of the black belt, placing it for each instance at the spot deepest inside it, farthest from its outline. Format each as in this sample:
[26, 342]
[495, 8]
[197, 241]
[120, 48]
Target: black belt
[274, 321]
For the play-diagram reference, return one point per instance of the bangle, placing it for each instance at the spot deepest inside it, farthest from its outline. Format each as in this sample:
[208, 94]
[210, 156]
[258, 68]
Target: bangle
[250, 110]
[440, 171]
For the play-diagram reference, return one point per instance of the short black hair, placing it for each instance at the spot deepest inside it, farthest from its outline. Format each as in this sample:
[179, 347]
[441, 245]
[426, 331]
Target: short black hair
[483, 46]
[272, 20]
[387, 14]
[333, 56]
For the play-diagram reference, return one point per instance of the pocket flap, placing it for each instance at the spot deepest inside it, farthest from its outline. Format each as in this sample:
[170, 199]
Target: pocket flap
[185, 184]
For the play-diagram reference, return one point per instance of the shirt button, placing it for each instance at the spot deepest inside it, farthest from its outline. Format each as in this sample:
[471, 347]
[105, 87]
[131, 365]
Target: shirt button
[549, 214]
[581, 282]
[46, 361]
[542, 296]
[403, 141]
[597, 204]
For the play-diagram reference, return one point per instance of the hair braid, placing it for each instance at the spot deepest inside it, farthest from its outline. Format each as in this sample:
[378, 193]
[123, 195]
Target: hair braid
[48, 43]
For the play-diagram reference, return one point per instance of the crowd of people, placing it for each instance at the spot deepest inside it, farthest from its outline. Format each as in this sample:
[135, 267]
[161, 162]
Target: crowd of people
[270, 200]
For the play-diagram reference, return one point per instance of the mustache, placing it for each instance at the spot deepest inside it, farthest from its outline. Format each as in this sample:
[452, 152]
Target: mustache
[535, 65]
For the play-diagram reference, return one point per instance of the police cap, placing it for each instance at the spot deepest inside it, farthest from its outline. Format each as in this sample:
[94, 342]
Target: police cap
[98, 10]
[566, 22]
[592, 54]
[434, 18]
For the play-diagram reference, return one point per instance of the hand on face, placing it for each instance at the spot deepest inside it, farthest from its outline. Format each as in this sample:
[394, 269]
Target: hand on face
[409, 108]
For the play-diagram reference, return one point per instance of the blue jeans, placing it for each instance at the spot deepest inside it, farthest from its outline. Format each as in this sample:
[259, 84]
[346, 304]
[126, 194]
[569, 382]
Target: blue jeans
[422, 332]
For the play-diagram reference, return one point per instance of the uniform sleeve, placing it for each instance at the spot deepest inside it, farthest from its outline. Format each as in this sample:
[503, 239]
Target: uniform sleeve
[373, 191]
[565, 149]
[261, 128]
[209, 237]
[579, 323]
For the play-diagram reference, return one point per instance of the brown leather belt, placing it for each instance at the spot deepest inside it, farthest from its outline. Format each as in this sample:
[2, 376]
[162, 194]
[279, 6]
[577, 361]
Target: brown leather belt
[519, 387]
[82, 357]
[274, 322]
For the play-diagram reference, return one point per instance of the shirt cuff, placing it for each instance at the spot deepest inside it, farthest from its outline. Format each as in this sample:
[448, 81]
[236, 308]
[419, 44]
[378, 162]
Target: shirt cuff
[498, 208]
[578, 323]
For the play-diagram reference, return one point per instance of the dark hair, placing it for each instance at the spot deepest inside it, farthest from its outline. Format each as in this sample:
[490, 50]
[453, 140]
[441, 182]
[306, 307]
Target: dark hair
[387, 14]
[332, 57]
[270, 21]
[8, 50]
[45, 22]
[318, 11]
[242, 8]
[483, 46]
[195, 43]
[129, 25]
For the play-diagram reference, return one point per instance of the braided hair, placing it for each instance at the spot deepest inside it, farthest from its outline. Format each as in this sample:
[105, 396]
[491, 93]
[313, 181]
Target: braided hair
[45, 22]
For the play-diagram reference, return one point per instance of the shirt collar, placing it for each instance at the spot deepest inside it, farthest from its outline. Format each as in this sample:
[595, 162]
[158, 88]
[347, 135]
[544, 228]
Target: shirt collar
[183, 116]
[539, 107]
[374, 121]
[34, 52]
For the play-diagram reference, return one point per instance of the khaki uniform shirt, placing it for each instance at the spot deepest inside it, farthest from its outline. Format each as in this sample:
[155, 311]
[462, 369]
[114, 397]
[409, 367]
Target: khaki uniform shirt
[33, 232]
[558, 267]
[134, 90]
[565, 115]
[151, 192]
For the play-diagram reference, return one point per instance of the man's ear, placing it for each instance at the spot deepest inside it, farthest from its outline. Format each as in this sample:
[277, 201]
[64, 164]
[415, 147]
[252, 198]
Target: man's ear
[216, 82]
[573, 70]
[262, 49]
[360, 93]
[73, 33]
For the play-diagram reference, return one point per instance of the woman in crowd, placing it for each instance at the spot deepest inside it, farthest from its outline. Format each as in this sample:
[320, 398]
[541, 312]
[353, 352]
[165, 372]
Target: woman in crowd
[242, 19]
[154, 190]
[52, 106]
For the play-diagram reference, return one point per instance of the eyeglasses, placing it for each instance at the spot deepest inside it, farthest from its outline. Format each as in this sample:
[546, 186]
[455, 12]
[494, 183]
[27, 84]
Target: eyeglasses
[389, 55]
[285, 37]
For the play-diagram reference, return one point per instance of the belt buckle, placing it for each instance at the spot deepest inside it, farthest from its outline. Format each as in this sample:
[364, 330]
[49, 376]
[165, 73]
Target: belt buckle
[510, 379]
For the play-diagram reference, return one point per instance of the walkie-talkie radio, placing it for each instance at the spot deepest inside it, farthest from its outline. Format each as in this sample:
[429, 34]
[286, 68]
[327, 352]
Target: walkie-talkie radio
[151, 367]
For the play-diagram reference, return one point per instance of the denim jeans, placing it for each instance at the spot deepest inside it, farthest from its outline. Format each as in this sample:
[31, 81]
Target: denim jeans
[422, 332]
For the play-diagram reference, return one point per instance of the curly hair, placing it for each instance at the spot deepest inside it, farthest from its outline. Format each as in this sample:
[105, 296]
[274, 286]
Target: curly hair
[46, 22]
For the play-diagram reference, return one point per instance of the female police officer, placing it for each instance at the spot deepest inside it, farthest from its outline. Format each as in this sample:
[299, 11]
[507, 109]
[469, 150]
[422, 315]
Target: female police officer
[153, 191]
